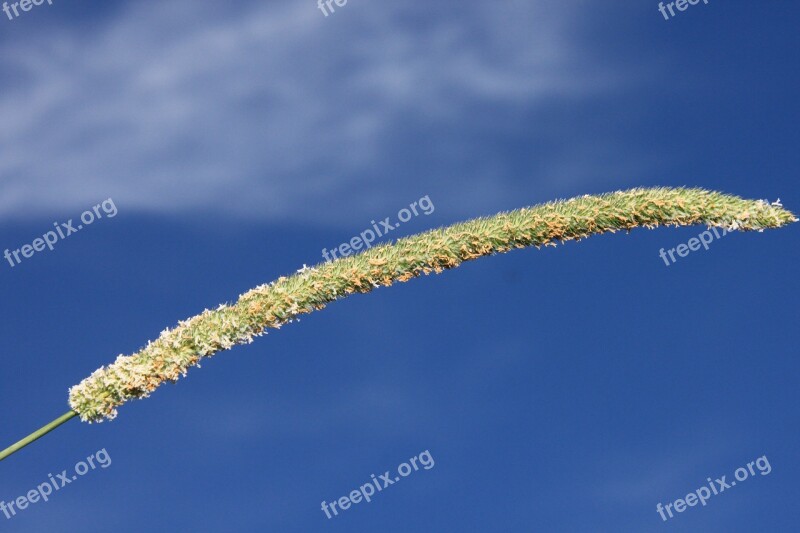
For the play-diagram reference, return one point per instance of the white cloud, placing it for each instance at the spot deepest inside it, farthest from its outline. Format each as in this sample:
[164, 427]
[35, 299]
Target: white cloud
[272, 110]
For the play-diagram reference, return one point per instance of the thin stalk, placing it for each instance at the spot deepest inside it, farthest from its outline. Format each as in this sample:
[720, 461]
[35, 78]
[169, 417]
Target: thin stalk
[38, 434]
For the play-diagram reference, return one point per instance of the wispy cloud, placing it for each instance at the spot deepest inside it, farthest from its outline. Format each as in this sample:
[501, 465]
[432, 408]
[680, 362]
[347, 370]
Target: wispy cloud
[271, 110]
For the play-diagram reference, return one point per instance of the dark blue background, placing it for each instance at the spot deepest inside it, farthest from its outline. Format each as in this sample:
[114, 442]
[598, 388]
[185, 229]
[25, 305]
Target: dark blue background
[567, 389]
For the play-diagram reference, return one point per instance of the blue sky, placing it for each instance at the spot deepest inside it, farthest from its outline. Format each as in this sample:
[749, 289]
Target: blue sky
[567, 389]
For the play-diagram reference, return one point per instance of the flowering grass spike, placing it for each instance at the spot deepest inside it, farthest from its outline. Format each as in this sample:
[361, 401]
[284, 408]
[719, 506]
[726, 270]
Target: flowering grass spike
[270, 306]
[171, 355]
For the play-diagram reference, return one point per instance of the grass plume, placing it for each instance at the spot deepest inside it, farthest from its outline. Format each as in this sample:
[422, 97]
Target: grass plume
[272, 305]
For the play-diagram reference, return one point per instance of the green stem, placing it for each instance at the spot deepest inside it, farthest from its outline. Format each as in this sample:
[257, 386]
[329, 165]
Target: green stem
[38, 434]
